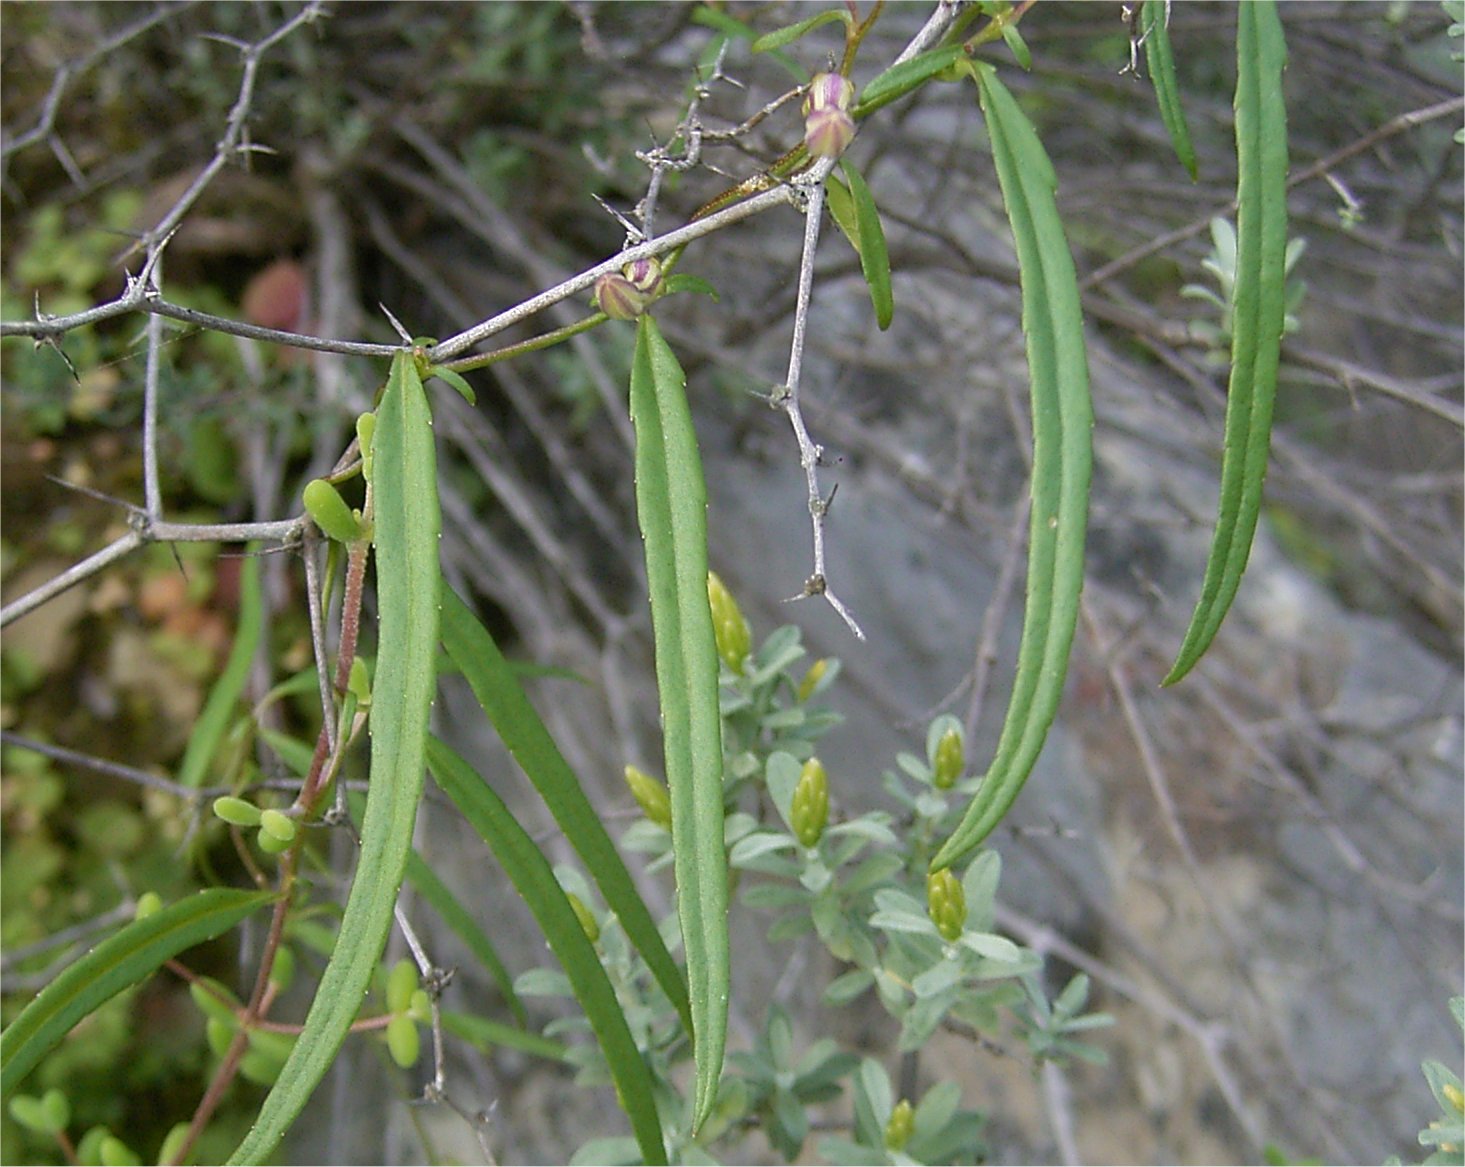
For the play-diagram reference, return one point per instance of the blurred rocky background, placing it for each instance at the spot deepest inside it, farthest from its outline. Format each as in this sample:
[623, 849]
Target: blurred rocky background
[1260, 869]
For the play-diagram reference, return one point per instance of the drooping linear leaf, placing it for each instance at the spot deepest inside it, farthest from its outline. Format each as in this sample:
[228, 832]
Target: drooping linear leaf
[874, 255]
[1154, 27]
[425, 880]
[218, 710]
[533, 876]
[485, 1033]
[130, 955]
[522, 731]
[786, 36]
[1062, 460]
[1259, 309]
[406, 525]
[671, 507]
[735, 29]
[898, 80]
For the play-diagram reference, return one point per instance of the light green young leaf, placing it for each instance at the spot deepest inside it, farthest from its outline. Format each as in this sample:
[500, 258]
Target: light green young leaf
[456, 380]
[519, 726]
[1259, 308]
[532, 874]
[671, 507]
[1062, 460]
[129, 956]
[218, 710]
[786, 36]
[1154, 27]
[407, 522]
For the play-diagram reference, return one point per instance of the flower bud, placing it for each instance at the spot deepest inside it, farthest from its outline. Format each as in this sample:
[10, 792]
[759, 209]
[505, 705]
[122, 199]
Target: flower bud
[645, 276]
[236, 811]
[150, 903]
[583, 914]
[650, 795]
[812, 678]
[404, 1043]
[401, 984]
[277, 825]
[946, 903]
[729, 627]
[901, 1126]
[810, 811]
[828, 132]
[829, 91]
[618, 298]
[950, 760]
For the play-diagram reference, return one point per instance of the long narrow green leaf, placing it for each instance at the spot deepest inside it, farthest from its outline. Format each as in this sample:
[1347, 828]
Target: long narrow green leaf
[213, 721]
[405, 501]
[531, 873]
[427, 884]
[671, 506]
[485, 1033]
[898, 80]
[1154, 27]
[874, 255]
[786, 36]
[493, 682]
[1062, 460]
[1259, 303]
[125, 958]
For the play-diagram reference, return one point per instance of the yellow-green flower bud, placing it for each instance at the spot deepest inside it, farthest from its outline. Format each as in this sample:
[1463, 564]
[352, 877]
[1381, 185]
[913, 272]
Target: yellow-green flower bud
[950, 760]
[328, 510]
[901, 1126]
[173, 1142]
[365, 432]
[282, 972]
[729, 627]
[236, 811]
[810, 810]
[115, 1153]
[403, 1041]
[1453, 1095]
[650, 795]
[401, 984]
[812, 678]
[271, 844]
[150, 903]
[277, 825]
[421, 1007]
[582, 913]
[220, 1035]
[946, 903]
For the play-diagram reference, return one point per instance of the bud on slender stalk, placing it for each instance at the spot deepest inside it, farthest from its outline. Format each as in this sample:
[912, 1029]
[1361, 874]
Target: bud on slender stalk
[946, 903]
[950, 760]
[810, 810]
[650, 795]
[729, 627]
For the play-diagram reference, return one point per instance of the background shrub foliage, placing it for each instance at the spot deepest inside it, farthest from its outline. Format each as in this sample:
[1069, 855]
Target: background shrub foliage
[221, 872]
